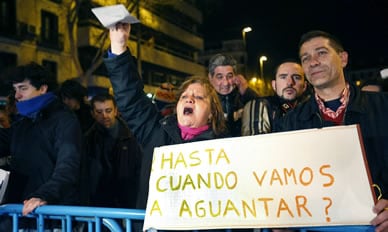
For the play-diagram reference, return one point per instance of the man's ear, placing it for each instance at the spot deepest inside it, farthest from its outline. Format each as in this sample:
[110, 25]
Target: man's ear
[116, 111]
[43, 89]
[344, 58]
[273, 82]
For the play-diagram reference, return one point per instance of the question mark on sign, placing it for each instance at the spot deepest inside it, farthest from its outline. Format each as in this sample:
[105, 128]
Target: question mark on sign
[327, 207]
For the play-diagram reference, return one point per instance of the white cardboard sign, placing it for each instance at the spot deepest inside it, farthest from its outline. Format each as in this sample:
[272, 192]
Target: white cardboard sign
[314, 177]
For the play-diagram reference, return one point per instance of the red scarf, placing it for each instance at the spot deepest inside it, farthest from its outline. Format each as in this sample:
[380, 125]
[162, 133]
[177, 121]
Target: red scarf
[188, 133]
[339, 114]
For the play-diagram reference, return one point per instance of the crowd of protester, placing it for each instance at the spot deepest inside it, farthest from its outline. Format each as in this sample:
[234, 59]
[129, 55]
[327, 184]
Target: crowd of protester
[63, 149]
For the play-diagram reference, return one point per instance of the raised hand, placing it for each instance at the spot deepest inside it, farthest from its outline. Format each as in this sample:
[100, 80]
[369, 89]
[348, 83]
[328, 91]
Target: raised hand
[119, 36]
[241, 83]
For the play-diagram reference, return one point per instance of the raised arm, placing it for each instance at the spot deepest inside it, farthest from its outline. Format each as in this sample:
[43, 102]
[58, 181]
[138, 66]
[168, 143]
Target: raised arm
[135, 107]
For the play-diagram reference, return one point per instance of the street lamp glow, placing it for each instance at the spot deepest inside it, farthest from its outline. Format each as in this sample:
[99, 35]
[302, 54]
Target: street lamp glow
[247, 29]
[261, 60]
[244, 31]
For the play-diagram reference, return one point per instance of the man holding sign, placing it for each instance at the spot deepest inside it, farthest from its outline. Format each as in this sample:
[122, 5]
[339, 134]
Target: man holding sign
[338, 102]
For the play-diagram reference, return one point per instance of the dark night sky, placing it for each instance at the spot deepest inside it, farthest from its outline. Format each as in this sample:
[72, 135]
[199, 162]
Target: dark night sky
[361, 25]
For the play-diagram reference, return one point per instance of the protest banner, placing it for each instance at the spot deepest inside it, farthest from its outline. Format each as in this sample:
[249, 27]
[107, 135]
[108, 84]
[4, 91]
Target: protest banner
[314, 177]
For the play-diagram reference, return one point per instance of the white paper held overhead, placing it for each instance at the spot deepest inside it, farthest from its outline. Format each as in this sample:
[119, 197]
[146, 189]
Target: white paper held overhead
[111, 15]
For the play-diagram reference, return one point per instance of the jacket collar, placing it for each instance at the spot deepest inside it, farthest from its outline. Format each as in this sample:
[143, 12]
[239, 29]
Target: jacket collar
[355, 104]
[124, 132]
[170, 126]
[231, 96]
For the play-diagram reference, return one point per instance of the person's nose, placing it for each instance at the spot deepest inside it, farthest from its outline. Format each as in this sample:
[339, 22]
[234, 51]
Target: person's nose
[190, 99]
[18, 96]
[290, 81]
[314, 61]
[225, 81]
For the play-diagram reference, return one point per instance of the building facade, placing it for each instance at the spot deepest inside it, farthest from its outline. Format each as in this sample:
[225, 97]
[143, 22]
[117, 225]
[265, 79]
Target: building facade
[166, 42]
[33, 30]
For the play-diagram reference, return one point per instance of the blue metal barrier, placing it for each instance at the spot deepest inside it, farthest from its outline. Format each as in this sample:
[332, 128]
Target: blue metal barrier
[92, 216]
[112, 218]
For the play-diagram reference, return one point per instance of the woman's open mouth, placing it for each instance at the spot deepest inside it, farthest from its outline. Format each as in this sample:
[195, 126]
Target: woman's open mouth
[187, 111]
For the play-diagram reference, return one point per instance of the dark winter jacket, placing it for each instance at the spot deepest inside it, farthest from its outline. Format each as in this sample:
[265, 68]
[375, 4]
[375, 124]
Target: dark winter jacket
[45, 156]
[113, 166]
[232, 105]
[265, 114]
[370, 111]
[142, 116]
[85, 117]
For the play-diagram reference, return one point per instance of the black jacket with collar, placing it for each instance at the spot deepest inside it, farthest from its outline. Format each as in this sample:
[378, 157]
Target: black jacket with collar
[112, 167]
[370, 111]
[233, 105]
[279, 107]
[45, 156]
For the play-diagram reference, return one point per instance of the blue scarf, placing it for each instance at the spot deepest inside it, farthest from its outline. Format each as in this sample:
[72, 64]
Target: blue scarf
[30, 107]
